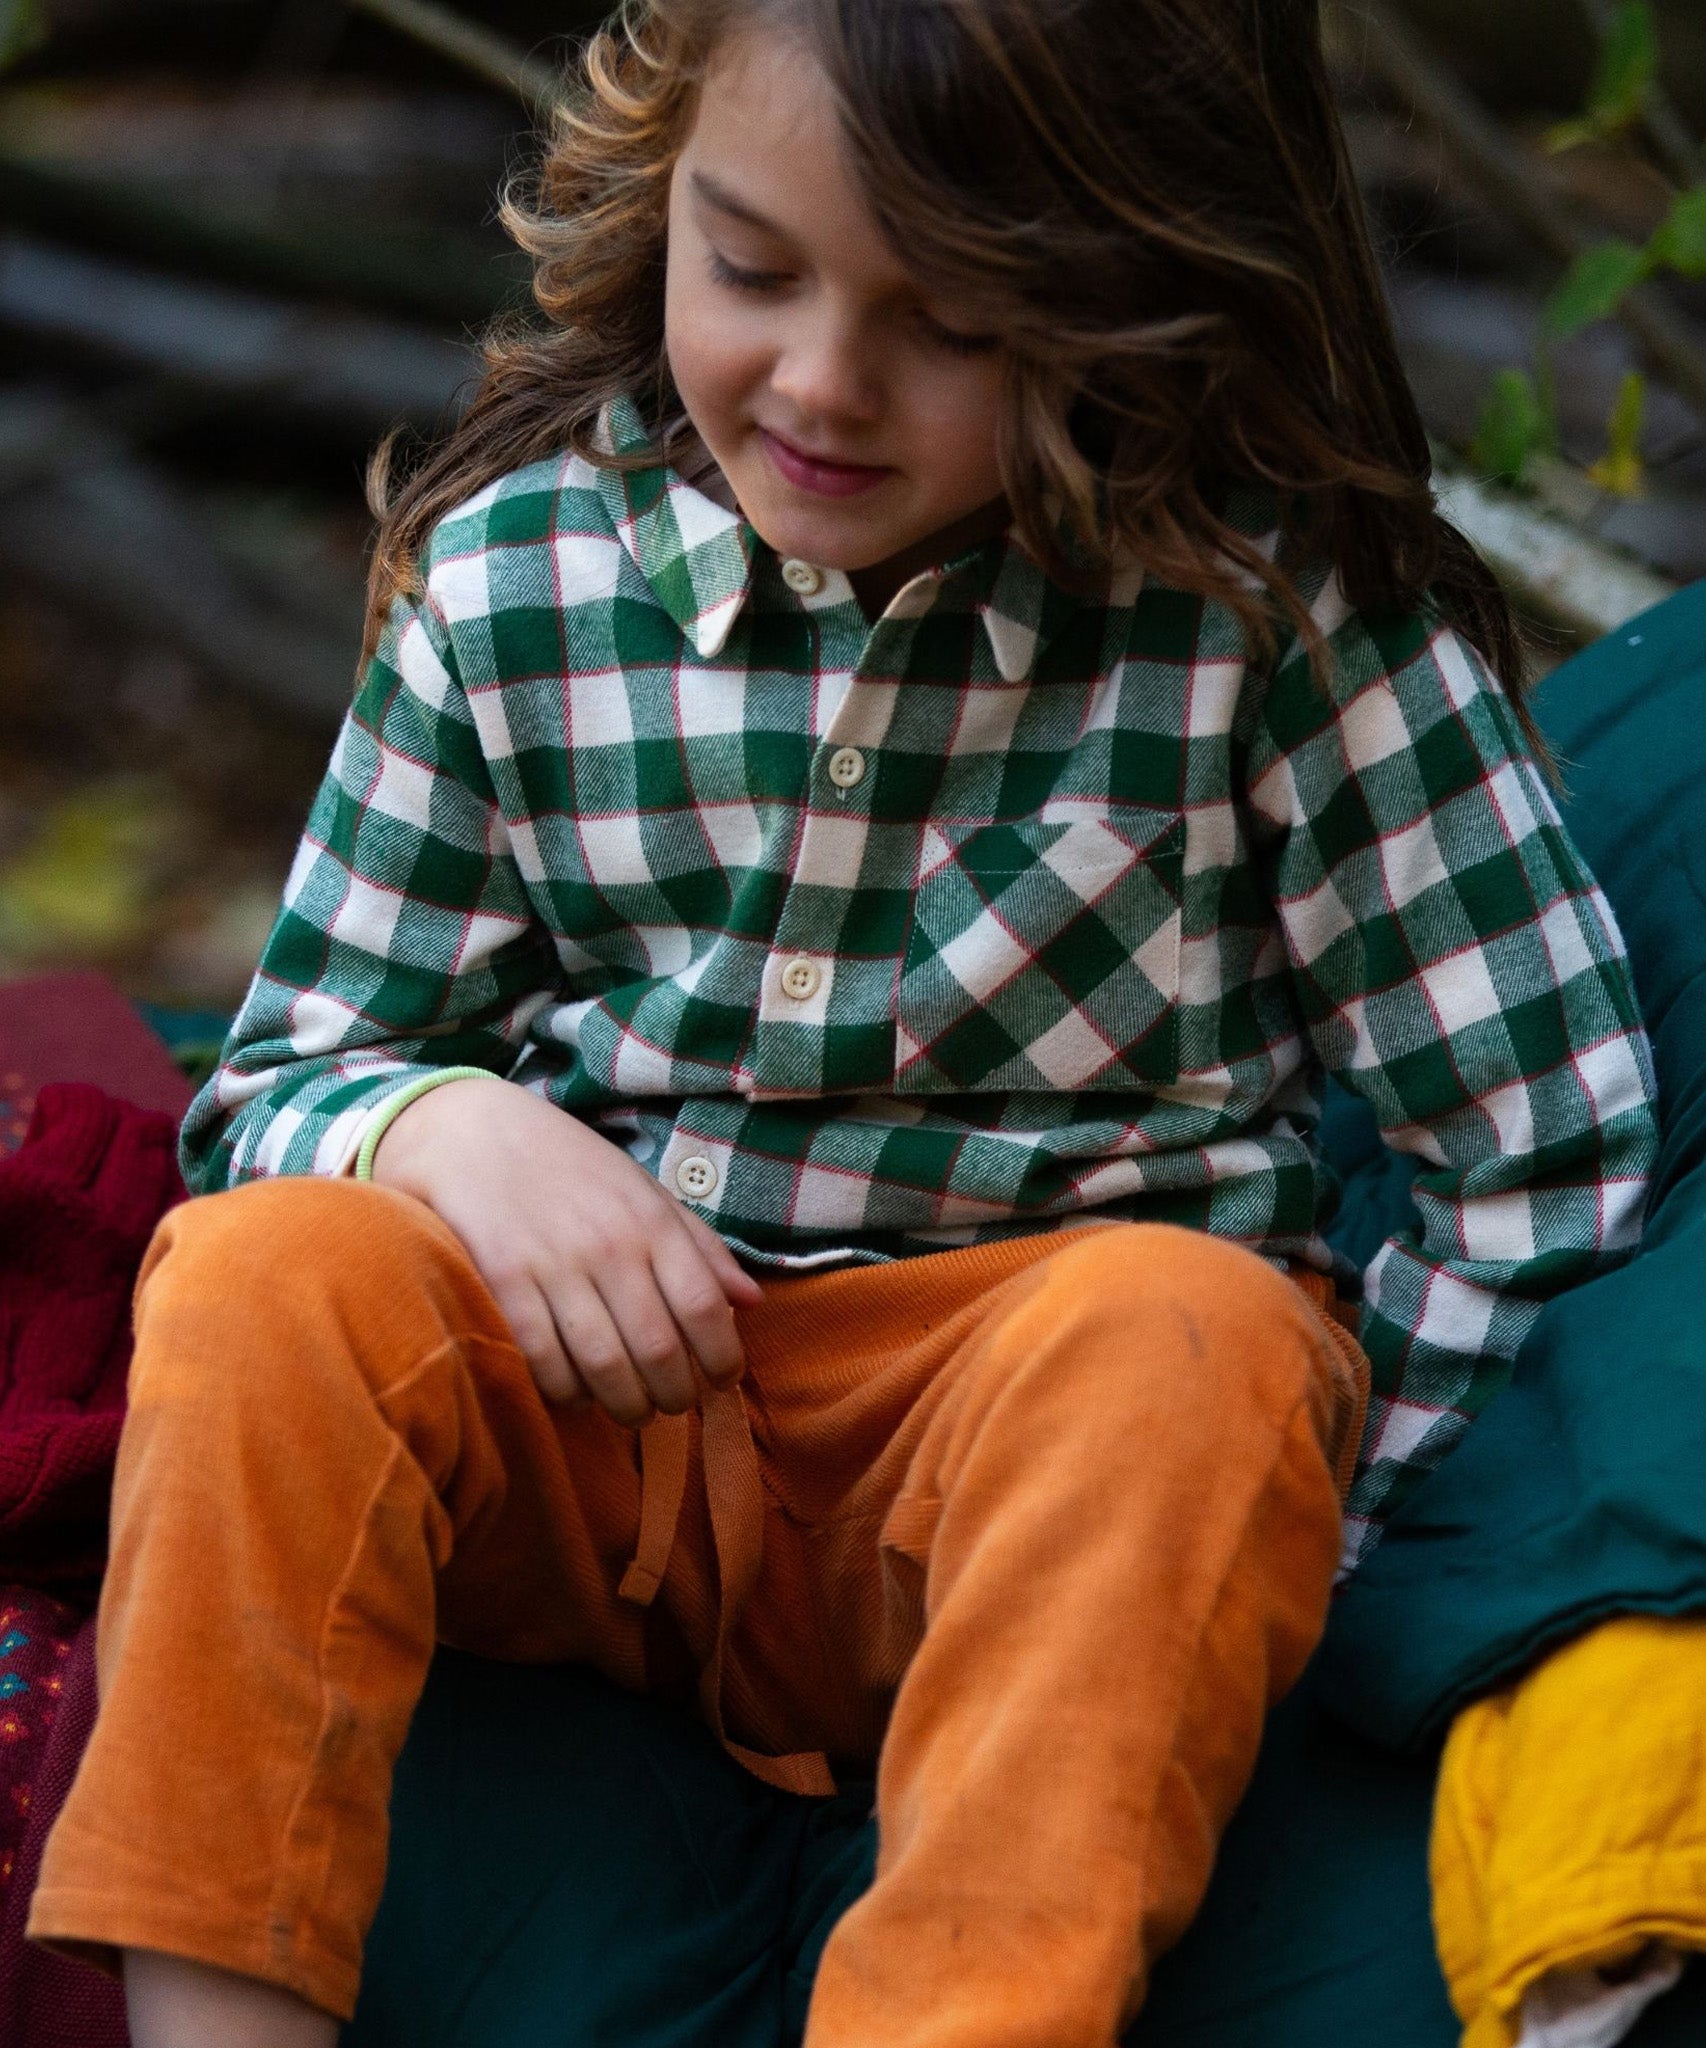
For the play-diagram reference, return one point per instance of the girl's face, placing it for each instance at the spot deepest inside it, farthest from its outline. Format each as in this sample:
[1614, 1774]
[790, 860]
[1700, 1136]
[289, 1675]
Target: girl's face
[854, 419]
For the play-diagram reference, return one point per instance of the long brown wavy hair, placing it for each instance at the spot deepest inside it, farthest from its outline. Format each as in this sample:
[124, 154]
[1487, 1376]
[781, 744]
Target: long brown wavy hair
[1149, 200]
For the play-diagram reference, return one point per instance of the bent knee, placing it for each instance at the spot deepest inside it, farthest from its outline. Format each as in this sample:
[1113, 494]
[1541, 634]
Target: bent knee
[1146, 1266]
[1148, 1308]
[277, 1265]
[297, 1223]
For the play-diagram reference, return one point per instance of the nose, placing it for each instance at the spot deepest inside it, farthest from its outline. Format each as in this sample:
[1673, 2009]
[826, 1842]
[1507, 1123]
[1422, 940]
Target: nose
[827, 369]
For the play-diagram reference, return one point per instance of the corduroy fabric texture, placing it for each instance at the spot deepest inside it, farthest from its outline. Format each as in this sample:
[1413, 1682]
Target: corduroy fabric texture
[1006, 1545]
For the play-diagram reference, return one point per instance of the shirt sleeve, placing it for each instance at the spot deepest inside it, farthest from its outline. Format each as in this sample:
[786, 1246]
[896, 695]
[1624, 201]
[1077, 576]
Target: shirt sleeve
[1457, 966]
[405, 945]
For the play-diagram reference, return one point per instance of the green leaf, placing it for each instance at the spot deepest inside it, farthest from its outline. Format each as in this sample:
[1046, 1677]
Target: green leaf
[1620, 470]
[1513, 427]
[22, 29]
[1681, 242]
[1628, 65]
[1570, 135]
[1594, 286]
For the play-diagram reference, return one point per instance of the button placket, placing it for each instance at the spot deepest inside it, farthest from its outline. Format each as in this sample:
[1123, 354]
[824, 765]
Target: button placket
[802, 978]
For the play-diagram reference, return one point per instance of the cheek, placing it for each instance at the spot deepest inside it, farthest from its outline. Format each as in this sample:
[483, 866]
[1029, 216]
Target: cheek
[961, 427]
[708, 358]
[716, 368]
[684, 331]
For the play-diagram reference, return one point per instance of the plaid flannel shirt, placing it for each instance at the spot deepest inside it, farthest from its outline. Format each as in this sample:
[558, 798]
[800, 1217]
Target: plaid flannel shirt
[1008, 911]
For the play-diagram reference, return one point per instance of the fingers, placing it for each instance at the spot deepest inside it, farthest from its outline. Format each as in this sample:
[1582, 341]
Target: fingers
[699, 1305]
[533, 1324]
[737, 1283]
[646, 1329]
[639, 1317]
[626, 1350]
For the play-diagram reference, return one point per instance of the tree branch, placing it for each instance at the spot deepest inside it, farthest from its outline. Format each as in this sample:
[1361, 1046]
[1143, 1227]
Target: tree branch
[1487, 155]
[479, 50]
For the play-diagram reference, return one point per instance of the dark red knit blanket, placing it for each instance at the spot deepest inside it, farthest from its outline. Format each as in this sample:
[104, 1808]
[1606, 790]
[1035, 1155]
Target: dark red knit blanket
[78, 1203]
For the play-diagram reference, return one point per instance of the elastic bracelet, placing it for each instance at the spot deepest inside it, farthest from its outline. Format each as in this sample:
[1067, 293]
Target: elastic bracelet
[393, 1107]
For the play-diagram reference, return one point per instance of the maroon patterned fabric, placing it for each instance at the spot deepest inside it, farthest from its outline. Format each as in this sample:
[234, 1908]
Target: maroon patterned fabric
[47, 1659]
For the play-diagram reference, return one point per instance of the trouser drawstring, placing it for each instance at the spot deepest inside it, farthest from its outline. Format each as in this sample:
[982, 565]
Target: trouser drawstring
[734, 1495]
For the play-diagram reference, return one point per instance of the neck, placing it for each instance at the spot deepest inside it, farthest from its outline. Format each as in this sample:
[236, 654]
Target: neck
[876, 586]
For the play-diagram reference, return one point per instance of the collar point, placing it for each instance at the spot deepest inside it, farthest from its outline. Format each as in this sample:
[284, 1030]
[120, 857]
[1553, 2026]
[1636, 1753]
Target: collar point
[1013, 644]
[710, 633]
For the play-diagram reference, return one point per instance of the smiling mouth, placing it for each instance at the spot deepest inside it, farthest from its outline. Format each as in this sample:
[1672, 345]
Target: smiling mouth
[825, 479]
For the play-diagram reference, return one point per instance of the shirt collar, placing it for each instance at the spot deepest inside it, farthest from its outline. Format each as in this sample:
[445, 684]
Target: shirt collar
[700, 559]
[697, 555]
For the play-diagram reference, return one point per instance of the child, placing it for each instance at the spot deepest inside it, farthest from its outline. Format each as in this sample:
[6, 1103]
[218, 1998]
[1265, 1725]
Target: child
[772, 1148]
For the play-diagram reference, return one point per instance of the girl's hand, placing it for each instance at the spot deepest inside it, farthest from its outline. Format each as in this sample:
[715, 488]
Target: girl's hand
[613, 1290]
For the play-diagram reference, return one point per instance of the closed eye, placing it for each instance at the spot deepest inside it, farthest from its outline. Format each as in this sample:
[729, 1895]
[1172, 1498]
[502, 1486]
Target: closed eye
[726, 273]
[955, 340]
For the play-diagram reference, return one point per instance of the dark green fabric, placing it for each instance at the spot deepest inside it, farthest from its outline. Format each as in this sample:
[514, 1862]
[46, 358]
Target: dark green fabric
[572, 1868]
[1580, 1492]
[575, 1868]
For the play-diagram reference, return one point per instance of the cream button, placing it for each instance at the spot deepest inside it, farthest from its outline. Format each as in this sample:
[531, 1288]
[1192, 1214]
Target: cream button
[846, 767]
[802, 979]
[802, 578]
[696, 1177]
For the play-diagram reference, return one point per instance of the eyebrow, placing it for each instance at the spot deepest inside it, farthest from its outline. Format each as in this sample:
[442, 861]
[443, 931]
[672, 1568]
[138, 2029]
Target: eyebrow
[725, 201]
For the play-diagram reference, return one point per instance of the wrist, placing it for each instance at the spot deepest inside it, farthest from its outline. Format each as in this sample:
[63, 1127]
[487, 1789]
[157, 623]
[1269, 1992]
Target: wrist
[385, 1158]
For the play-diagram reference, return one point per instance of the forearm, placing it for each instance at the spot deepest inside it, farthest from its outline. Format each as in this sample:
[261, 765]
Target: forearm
[405, 943]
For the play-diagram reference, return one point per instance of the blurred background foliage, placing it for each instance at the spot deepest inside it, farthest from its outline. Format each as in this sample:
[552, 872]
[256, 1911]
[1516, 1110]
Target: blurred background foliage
[239, 239]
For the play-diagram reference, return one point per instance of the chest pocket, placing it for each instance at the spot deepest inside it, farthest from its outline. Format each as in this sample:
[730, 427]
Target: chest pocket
[1044, 956]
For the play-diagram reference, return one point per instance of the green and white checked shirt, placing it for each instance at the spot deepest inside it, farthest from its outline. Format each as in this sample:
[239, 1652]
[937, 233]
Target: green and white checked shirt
[1009, 911]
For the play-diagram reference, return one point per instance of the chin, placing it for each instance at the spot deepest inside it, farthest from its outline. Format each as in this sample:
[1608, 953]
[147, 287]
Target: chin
[825, 543]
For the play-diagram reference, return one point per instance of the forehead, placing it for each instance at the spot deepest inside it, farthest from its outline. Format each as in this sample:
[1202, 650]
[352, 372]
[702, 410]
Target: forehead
[766, 133]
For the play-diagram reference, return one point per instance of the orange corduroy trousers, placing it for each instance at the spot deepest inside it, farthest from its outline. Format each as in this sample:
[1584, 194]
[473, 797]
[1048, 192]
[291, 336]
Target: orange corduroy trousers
[1045, 1526]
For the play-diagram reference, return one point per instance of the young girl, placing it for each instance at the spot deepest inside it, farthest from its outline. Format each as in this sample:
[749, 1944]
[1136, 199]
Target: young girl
[772, 1147]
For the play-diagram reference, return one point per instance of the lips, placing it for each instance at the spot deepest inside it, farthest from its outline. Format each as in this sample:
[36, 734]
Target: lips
[818, 474]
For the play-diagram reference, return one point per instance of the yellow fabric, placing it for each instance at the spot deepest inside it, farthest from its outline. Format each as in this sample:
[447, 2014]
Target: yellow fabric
[1570, 1821]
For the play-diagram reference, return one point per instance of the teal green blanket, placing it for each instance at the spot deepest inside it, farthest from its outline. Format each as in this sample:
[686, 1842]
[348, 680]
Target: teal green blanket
[1580, 1492]
[572, 1868]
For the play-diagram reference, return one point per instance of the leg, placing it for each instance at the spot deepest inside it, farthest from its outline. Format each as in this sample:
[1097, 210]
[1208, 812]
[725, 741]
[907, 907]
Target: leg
[333, 1453]
[173, 2003]
[1123, 1510]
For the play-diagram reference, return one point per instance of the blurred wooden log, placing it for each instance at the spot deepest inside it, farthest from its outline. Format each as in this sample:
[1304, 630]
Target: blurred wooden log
[1486, 154]
[113, 537]
[1551, 568]
[346, 148]
[363, 375]
[458, 287]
